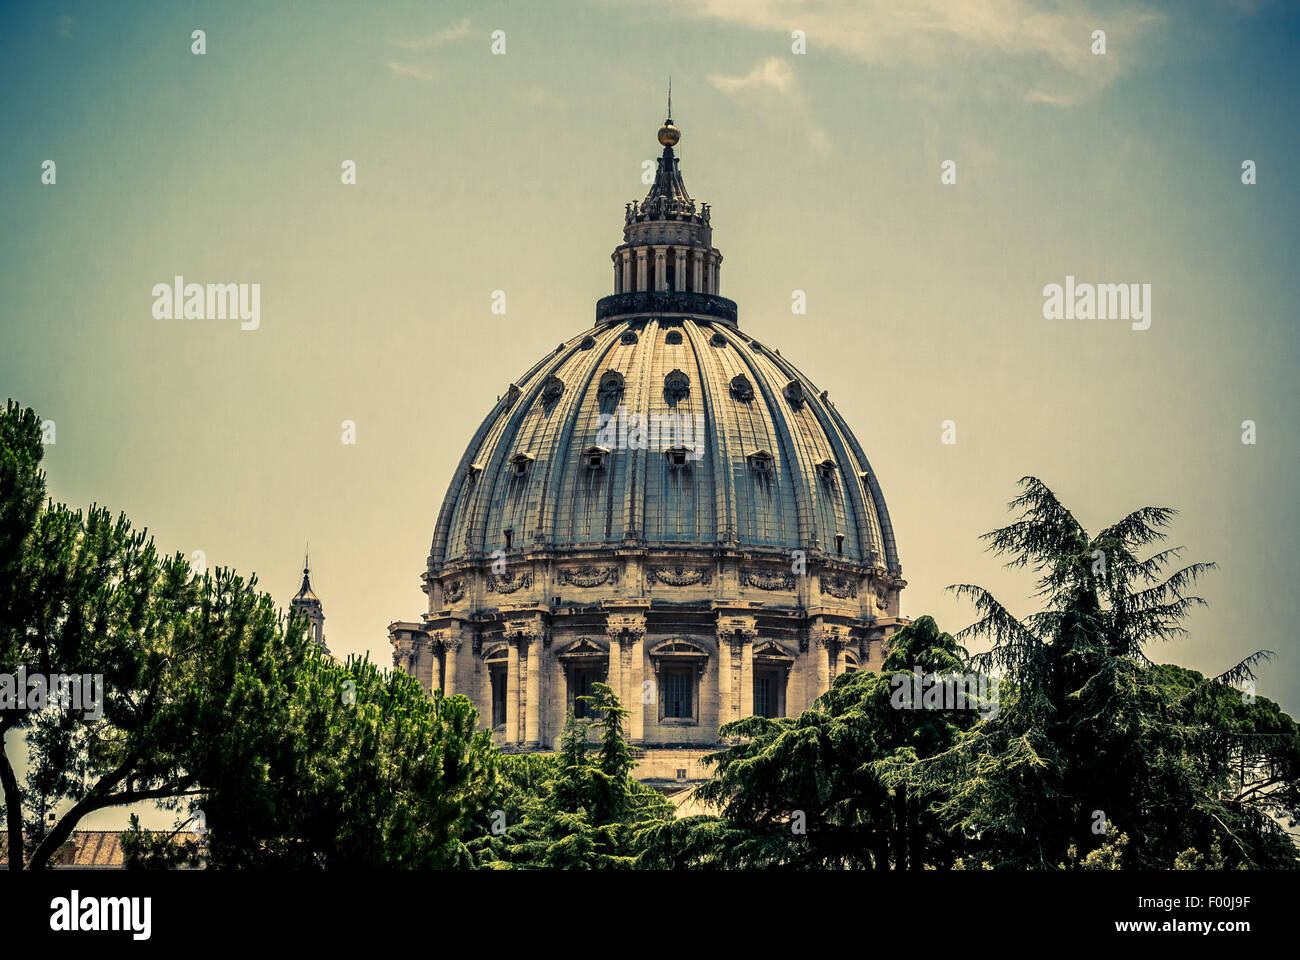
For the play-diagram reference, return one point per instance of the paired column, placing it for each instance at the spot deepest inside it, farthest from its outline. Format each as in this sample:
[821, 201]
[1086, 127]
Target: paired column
[533, 717]
[733, 632]
[626, 632]
[512, 690]
[614, 674]
[747, 676]
[822, 644]
[725, 712]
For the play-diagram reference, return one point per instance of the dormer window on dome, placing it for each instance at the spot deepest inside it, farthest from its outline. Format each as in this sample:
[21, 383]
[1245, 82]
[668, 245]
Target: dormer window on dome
[761, 461]
[826, 470]
[679, 456]
[520, 463]
[595, 457]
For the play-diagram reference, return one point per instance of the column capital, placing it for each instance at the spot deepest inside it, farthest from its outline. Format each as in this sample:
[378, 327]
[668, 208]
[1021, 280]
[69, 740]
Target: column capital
[633, 623]
[523, 632]
[744, 629]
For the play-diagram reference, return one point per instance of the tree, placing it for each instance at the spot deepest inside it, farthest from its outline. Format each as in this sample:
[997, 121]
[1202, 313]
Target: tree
[803, 792]
[203, 695]
[1091, 733]
[357, 768]
[573, 811]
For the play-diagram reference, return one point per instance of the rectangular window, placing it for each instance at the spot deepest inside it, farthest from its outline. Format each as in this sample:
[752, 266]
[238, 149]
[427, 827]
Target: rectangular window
[678, 692]
[763, 690]
[583, 685]
[498, 696]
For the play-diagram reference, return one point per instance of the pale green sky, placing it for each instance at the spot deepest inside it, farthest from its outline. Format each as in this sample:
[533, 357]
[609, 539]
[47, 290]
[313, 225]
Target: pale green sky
[479, 172]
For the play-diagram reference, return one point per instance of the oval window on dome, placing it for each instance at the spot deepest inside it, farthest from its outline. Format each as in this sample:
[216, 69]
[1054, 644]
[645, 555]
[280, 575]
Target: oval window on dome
[588, 342]
[552, 390]
[609, 391]
[629, 337]
[741, 388]
[677, 386]
[674, 336]
[718, 340]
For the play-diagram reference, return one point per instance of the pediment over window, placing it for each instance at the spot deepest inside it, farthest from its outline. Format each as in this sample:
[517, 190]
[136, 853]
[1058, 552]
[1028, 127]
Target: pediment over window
[761, 460]
[770, 650]
[582, 648]
[678, 647]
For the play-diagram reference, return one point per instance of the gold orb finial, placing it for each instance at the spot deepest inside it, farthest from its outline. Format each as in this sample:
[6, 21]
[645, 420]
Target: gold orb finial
[668, 133]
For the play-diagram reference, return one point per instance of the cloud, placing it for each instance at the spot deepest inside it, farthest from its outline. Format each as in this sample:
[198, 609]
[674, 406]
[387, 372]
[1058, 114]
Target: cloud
[773, 86]
[1013, 49]
[772, 74]
[410, 70]
[438, 39]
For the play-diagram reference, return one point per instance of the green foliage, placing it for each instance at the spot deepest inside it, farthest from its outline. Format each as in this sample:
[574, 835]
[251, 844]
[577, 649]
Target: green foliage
[154, 850]
[573, 811]
[210, 699]
[818, 770]
[1089, 726]
[350, 767]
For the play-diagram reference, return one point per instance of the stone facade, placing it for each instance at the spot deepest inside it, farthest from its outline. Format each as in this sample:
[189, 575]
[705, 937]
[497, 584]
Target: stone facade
[662, 504]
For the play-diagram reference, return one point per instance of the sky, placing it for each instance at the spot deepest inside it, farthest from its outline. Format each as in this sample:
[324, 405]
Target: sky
[479, 171]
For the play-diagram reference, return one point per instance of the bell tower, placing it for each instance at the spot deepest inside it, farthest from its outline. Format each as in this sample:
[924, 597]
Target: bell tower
[309, 606]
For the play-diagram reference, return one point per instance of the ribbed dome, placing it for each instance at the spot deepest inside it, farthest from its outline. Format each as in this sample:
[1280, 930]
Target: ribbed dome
[661, 504]
[776, 466]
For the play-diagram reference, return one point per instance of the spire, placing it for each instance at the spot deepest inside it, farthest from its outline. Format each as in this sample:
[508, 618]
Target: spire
[305, 592]
[667, 199]
[308, 604]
